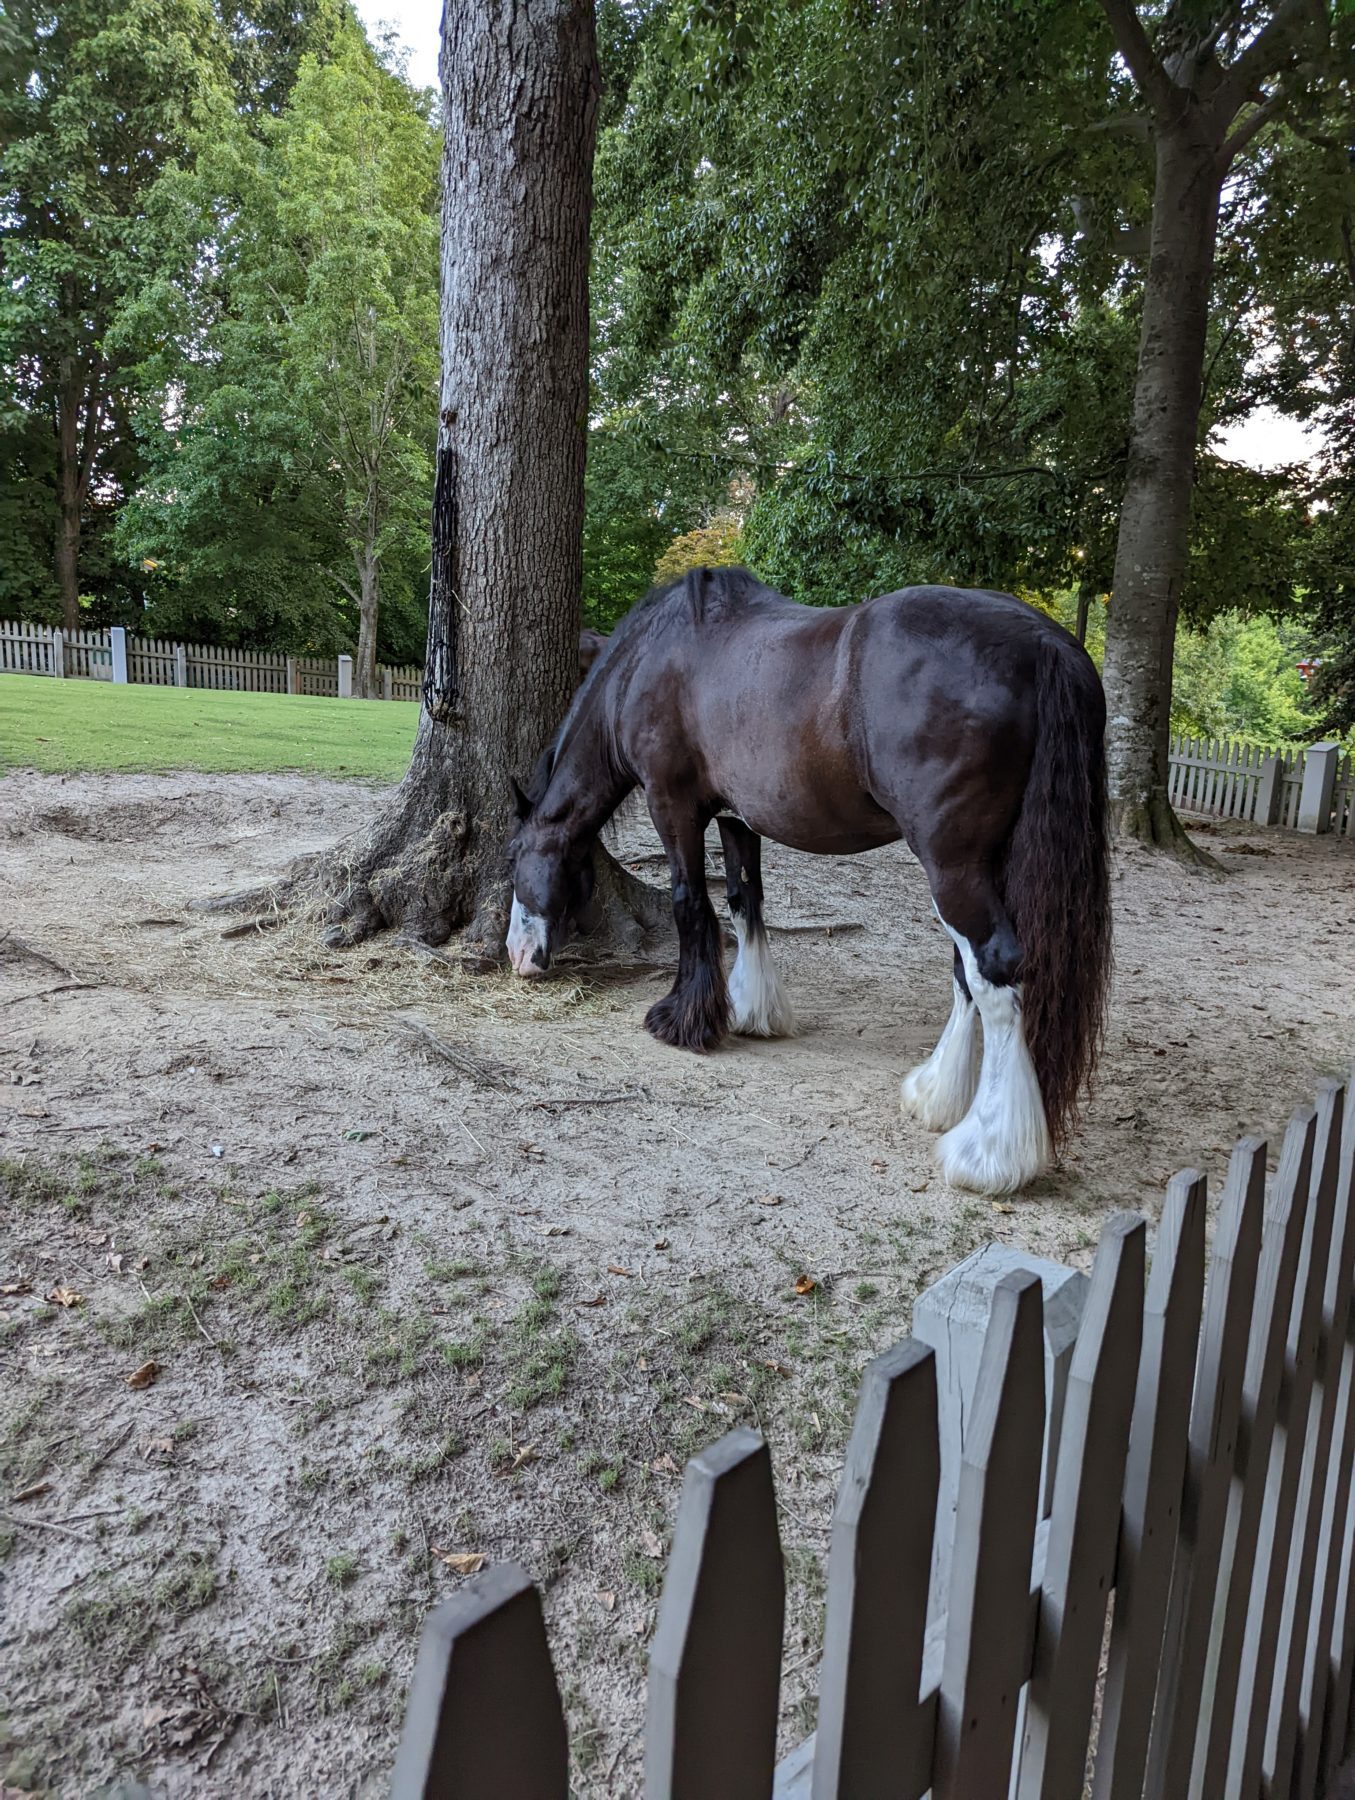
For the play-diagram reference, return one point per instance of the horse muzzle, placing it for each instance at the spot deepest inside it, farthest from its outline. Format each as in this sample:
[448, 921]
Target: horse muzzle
[528, 941]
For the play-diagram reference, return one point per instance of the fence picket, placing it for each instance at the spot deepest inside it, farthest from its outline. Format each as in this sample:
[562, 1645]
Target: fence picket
[1085, 1518]
[984, 1664]
[1321, 1673]
[874, 1736]
[483, 1720]
[714, 1671]
[1211, 1454]
[1325, 1292]
[1270, 1570]
[1150, 1519]
[1281, 1236]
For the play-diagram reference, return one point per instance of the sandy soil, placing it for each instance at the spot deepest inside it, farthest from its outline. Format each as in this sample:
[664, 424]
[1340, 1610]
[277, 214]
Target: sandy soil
[429, 1264]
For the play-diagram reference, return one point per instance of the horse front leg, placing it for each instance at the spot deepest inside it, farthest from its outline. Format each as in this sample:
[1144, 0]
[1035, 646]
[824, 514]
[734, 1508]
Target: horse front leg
[695, 1014]
[761, 1008]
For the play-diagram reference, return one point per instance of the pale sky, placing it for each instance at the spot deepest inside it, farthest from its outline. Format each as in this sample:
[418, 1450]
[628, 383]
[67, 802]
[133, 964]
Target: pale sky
[1263, 440]
[416, 23]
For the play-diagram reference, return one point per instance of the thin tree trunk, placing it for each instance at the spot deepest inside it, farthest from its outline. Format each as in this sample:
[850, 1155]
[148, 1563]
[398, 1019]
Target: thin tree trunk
[1084, 603]
[70, 498]
[1153, 546]
[369, 607]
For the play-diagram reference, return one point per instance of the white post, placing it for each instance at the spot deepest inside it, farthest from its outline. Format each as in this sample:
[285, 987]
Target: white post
[117, 641]
[291, 674]
[952, 1316]
[59, 653]
[180, 666]
[345, 678]
[386, 682]
[1319, 786]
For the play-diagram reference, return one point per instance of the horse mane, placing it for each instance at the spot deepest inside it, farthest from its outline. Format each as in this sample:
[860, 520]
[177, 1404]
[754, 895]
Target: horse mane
[701, 593]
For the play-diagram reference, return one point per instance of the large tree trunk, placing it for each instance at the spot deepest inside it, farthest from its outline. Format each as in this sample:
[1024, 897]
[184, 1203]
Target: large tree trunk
[1154, 538]
[520, 80]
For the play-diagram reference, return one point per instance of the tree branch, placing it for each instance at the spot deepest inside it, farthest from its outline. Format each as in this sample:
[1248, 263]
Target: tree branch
[1131, 40]
[1255, 121]
[1266, 54]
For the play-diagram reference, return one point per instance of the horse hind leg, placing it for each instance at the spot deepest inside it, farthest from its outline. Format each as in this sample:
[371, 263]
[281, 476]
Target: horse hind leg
[1003, 1140]
[757, 998]
[938, 1092]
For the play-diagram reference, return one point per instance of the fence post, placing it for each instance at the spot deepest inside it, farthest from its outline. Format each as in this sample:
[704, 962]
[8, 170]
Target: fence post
[345, 678]
[117, 643]
[58, 653]
[386, 682]
[180, 666]
[291, 674]
[1319, 783]
[952, 1316]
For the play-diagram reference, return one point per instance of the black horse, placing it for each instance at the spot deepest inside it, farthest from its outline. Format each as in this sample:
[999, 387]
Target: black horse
[965, 722]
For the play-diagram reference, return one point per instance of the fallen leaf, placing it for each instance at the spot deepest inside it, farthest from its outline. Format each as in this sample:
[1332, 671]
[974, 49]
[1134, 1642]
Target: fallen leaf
[650, 1542]
[642, 1362]
[616, 1269]
[1003, 1206]
[144, 1376]
[64, 1296]
[607, 1598]
[525, 1455]
[597, 1300]
[303, 1218]
[114, 1260]
[769, 1199]
[805, 1284]
[156, 1447]
[775, 1367]
[219, 1281]
[661, 1243]
[553, 1230]
[734, 1398]
[357, 1137]
[32, 1493]
[664, 1465]
[694, 1400]
[878, 1166]
[461, 1562]
[17, 1287]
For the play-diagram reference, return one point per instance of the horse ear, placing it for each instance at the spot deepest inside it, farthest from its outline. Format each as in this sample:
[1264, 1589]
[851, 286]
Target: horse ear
[522, 806]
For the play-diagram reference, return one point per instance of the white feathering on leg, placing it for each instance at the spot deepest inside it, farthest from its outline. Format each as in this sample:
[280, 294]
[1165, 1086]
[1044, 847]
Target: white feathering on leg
[938, 1092]
[759, 1003]
[1003, 1140]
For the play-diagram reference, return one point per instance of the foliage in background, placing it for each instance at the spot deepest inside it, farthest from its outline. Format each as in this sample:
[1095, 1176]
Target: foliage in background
[298, 375]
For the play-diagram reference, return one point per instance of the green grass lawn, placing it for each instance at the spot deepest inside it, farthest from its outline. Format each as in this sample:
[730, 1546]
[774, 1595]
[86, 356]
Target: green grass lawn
[63, 726]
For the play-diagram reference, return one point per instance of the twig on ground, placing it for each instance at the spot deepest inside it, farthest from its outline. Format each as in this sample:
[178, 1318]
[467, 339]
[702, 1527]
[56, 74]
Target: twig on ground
[62, 987]
[80, 1537]
[112, 1449]
[12, 943]
[253, 927]
[484, 1073]
[198, 1322]
[559, 1105]
[832, 927]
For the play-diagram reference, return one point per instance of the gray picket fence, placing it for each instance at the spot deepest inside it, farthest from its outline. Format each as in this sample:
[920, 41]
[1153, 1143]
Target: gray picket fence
[1311, 789]
[1178, 1625]
[117, 655]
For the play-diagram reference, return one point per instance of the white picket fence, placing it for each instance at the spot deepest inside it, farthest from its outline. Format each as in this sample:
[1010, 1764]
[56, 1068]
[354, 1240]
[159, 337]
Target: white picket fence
[1310, 789]
[116, 655]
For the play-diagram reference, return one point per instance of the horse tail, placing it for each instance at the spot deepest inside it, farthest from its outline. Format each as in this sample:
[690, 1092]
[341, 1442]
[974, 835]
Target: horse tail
[1056, 881]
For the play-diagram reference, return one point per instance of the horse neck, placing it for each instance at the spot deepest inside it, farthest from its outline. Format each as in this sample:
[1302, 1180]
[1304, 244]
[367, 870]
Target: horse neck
[586, 786]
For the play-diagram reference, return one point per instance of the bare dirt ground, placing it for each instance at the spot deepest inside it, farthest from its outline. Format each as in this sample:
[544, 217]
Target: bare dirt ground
[431, 1267]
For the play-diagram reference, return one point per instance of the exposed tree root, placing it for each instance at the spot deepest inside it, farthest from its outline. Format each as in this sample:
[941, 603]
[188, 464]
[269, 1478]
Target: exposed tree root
[414, 872]
[1152, 823]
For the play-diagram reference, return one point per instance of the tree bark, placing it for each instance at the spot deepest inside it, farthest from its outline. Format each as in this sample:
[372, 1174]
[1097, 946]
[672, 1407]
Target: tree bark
[1154, 537]
[520, 81]
[70, 496]
[369, 607]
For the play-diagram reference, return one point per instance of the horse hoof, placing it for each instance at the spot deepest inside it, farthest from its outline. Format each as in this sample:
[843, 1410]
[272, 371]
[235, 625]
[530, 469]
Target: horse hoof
[969, 1159]
[933, 1103]
[681, 1026]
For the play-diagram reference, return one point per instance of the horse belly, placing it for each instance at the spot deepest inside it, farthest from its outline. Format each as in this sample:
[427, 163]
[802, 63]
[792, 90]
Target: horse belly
[807, 799]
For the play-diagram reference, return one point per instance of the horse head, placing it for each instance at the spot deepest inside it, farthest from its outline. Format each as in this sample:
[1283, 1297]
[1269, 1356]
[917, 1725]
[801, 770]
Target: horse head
[552, 885]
